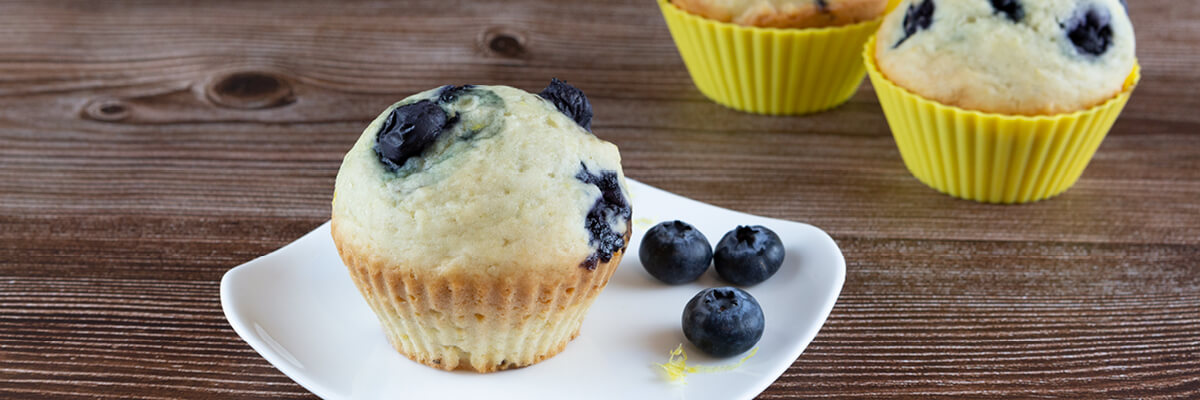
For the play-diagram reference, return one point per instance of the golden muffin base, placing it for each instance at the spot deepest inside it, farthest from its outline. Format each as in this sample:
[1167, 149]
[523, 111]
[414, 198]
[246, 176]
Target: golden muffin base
[474, 322]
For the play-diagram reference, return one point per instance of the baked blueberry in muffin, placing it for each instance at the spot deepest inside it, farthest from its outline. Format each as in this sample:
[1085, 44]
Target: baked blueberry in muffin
[1020, 57]
[480, 222]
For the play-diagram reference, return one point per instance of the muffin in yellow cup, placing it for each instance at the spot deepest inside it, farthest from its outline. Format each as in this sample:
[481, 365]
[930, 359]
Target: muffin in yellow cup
[774, 57]
[1002, 101]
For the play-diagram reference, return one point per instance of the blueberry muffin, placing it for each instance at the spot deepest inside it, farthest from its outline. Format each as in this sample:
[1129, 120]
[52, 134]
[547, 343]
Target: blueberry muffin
[786, 13]
[481, 222]
[1017, 57]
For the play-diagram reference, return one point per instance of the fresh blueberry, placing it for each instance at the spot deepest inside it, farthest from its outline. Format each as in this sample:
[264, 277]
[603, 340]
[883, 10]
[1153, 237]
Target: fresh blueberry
[748, 255]
[407, 131]
[675, 252]
[1010, 8]
[610, 209]
[918, 17]
[570, 101]
[1090, 30]
[723, 321]
[823, 5]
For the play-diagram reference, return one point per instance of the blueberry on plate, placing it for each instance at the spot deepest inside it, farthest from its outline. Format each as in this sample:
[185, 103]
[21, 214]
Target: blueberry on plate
[675, 252]
[748, 255]
[723, 321]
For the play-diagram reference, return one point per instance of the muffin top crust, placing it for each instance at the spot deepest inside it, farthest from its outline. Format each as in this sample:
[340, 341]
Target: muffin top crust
[484, 179]
[1018, 57]
[786, 13]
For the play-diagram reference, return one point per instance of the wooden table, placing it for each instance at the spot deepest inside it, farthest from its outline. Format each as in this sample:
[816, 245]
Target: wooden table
[148, 147]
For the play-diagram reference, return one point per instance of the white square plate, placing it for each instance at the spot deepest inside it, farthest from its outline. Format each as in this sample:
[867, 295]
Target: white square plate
[298, 308]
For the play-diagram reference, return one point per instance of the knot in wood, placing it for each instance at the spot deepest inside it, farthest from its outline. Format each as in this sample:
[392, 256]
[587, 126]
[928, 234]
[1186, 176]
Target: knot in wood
[504, 43]
[107, 109]
[249, 90]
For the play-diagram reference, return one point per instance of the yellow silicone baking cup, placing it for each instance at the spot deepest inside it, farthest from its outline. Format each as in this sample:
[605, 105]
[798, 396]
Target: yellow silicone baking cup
[770, 70]
[993, 158]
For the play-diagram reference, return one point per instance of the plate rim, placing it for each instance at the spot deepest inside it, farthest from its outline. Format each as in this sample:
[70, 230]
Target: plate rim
[244, 331]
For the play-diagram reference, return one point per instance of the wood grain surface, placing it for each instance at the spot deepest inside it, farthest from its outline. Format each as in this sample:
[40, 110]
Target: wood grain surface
[146, 147]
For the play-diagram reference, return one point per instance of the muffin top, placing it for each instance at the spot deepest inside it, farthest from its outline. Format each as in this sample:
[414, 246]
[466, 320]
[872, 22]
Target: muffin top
[786, 13]
[484, 179]
[1019, 57]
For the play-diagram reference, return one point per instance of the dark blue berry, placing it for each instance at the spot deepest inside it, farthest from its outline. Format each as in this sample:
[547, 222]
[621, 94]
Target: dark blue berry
[917, 17]
[723, 321]
[570, 101]
[449, 93]
[610, 209]
[407, 131]
[1090, 30]
[675, 252]
[823, 6]
[1010, 8]
[748, 255]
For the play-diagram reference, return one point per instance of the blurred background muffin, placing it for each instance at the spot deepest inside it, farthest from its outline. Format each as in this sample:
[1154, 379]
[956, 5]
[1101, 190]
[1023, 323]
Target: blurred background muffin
[775, 57]
[1002, 101]
[1009, 56]
[786, 13]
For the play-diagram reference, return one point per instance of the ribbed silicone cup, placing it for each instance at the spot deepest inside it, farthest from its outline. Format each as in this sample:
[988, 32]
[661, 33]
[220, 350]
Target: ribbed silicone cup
[770, 70]
[993, 158]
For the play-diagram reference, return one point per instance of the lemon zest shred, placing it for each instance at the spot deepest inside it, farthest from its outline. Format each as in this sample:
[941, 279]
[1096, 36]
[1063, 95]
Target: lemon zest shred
[677, 369]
